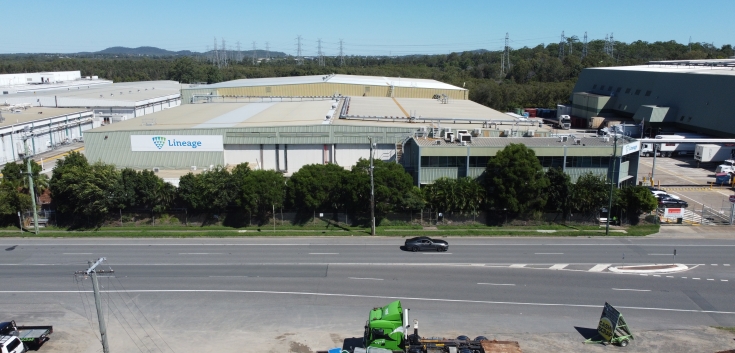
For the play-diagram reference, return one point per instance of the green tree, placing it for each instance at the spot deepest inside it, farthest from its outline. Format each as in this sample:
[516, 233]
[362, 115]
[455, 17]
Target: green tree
[317, 186]
[463, 195]
[210, 192]
[182, 70]
[637, 200]
[559, 192]
[392, 185]
[262, 191]
[590, 193]
[515, 181]
[84, 195]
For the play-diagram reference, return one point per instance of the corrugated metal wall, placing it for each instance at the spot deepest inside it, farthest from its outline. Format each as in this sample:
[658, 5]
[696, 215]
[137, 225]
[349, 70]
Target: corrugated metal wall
[325, 89]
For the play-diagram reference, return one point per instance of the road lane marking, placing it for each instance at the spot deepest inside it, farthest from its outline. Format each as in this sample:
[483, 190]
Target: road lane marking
[548, 253]
[558, 267]
[710, 279]
[200, 253]
[669, 276]
[323, 253]
[723, 280]
[497, 284]
[633, 290]
[714, 265]
[437, 253]
[656, 275]
[477, 264]
[599, 268]
[367, 278]
[77, 253]
[517, 266]
[695, 278]
[684, 277]
[726, 265]
[660, 255]
[365, 296]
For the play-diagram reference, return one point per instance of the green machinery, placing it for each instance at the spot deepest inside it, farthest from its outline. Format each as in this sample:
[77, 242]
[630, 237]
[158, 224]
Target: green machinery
[612, 328]
[384, 328]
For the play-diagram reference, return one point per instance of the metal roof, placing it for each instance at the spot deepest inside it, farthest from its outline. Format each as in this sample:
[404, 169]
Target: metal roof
[128, 94]
[528, 141]
[36, 113]
[344, 79]
[708, 67]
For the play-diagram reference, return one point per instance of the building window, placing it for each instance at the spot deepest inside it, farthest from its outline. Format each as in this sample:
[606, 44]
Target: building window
[682, 118]
[648, 93]
[609, 89]
[690, 119]
[637, 92]
[602, 88]
[618, 90]
[594, 87]
[627, 90]
[367, 89]
[267, 90]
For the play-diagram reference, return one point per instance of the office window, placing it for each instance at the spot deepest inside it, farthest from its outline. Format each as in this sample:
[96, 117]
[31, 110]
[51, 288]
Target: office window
[648, 93]
[637, 92]
[594, 87]
[618, 90]
[602, 88]
[682, 118]
[609, 89]
[627, 90]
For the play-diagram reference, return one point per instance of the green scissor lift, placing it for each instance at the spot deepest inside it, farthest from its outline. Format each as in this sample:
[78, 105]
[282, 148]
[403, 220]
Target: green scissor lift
[612, 328]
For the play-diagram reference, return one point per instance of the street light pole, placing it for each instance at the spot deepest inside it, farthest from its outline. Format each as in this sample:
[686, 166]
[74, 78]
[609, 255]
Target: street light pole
[612, 184]
[372, 190]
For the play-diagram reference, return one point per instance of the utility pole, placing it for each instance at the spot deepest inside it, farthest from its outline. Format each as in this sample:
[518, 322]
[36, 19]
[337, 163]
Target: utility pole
[612, 183]
[28, 133]
[267, 51]
[341, 53]
[584, 48]
[92, 272]
[372, 190]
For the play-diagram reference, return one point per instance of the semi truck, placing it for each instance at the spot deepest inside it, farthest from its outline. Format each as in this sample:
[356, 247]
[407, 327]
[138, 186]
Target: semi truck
[562, 121]
[31, 336]
[706, 153]
[387, 331]
[670, 149]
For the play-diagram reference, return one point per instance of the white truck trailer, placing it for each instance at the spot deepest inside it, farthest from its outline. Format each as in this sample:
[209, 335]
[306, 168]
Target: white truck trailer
[706, 153]
[669, 149]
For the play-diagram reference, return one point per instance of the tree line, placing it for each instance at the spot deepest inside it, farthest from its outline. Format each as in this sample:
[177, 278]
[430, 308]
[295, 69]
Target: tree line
[540, 76]
[514, 186]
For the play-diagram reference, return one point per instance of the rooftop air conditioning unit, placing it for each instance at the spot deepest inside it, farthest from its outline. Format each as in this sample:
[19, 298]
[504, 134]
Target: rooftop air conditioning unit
[506, 133]
[530, 133]
[438, 142]
[156, 169]
[606, 139]
[449, 136]
[211, 166]
[563, 138]
[476, 132]
[463, 143]
[193, 168]
[578, 142]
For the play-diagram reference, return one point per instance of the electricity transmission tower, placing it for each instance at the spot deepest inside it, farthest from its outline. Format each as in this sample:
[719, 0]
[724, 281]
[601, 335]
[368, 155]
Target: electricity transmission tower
[254, 53]
[239, 53]
[612, 46]
[505, 61]
[299, 61]
[215, 54]
[319, 52]
[584, 48]
[561, 45]
[224, 53]
[341, 53]
[690, 43]
[267, 51]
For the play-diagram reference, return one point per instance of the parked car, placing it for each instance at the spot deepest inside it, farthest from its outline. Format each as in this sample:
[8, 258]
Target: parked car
[659, 194]
[11, 344]
[672, 203]
[426, 243]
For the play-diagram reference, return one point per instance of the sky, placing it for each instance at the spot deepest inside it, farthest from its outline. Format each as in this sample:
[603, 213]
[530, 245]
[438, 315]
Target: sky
[377, 27]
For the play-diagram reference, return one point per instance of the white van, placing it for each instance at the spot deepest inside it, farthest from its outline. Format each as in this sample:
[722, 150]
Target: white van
[11, 344]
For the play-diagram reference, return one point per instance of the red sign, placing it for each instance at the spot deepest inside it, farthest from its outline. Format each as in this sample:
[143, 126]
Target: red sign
[732, 198]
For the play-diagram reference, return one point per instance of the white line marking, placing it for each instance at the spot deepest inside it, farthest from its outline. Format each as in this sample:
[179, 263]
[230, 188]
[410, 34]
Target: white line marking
[200, 253]
[229, 276]
[548, 253]
[592, 306]
[726, 265]
[633, 290]
[695, 278]
[714, 265]
[77, 253]
[669, 276]
[684, 277]
[558, 267]
[656, 275]
[371, 279]
[517, 266]
[710, 279]
[660, 255]
[599, 268]
[497, 284]
[437, 253]
[477, 264]
[723, 280]
[643, 274]
[323, 253]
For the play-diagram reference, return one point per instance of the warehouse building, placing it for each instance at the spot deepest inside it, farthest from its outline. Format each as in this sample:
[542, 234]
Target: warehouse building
[693, 95]
[329, 85]
[46, 81]
[33, 130]
[431, 138]
[111, 102]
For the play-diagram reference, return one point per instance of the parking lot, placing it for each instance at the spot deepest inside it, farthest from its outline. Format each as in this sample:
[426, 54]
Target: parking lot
[681, 176]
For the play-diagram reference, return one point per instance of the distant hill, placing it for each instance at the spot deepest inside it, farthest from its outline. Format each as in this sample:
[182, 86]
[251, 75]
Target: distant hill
[142, 51]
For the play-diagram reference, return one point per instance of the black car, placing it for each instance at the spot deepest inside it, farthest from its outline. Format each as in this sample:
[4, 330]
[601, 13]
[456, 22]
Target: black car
[672, 203]
[426, 243]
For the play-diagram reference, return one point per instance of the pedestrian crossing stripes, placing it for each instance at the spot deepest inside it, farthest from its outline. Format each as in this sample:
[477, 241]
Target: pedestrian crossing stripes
[691, 188]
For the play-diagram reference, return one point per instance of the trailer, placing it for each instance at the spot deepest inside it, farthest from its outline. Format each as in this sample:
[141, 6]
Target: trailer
[31, 336]
[706, 153]
[387, 331]
[670, 149]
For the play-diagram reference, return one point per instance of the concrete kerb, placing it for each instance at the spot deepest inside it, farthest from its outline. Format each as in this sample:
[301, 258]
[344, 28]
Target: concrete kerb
[645, 269]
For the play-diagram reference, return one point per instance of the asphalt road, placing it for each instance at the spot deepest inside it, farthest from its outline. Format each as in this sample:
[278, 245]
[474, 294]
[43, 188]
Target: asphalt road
[317, 291]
